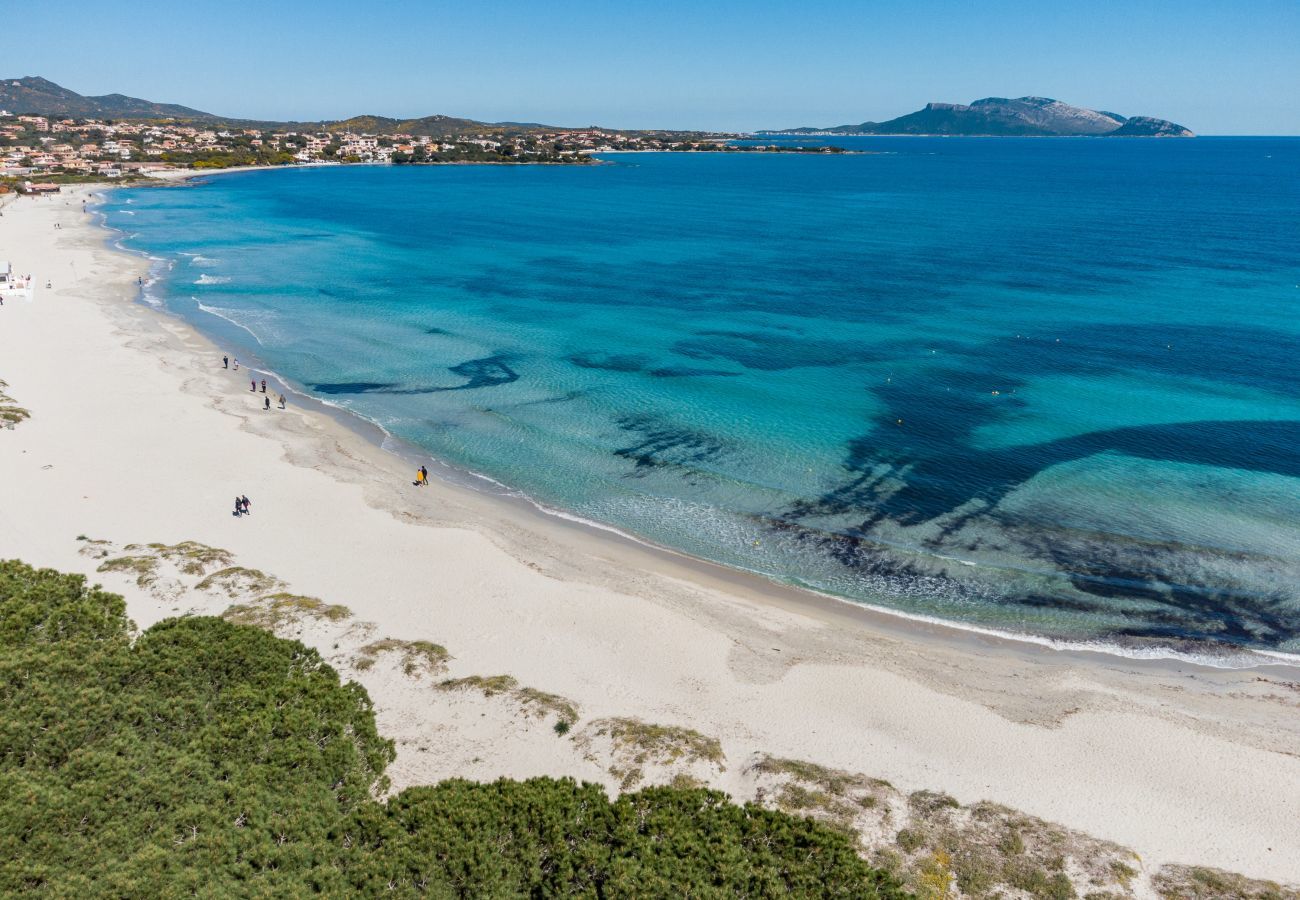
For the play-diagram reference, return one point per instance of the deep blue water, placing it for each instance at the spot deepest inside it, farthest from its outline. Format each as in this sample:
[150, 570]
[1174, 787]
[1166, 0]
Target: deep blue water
[1048, 386]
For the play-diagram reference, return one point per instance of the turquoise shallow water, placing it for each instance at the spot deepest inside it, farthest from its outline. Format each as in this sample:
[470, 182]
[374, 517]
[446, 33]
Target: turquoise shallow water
[1042, 386]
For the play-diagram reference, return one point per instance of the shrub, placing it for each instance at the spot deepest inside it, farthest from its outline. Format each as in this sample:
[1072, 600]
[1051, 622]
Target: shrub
[910, 840]
[215, 759]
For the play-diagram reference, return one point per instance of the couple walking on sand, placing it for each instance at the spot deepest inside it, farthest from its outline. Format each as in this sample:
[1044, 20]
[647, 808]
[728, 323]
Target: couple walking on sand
[421, 476]
[242, 506]
[266, 402]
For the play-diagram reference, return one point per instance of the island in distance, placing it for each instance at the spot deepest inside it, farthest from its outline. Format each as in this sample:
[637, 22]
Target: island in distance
[1001, 117]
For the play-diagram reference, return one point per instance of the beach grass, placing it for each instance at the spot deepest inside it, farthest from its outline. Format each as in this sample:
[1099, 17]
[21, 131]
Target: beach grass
[836, 797]
[95, 549]
[143, 568]
[545, 704]
[143, 561]
[275, 611]
[190, 557]
[488, 685]
[534, 701]
[990, 849]
[1175, 882]
[418, 657]
[942, 849]
[10, 412]
[637, 744]
[234, 581]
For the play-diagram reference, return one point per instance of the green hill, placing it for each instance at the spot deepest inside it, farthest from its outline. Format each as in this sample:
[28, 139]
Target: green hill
[36, 96]
[433, 126]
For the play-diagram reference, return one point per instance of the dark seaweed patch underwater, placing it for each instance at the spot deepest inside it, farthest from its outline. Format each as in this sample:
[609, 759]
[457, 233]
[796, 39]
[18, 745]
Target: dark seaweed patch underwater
[925, 470]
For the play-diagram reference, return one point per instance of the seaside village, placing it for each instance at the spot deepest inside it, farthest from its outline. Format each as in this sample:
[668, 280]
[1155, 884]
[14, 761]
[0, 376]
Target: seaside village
[36, 147]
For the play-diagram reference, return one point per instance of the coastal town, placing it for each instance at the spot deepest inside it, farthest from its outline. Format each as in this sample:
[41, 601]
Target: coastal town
[69, 149]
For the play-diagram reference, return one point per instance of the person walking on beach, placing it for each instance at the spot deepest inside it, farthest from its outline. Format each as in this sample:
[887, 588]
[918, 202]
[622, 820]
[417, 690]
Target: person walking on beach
[282, 401]
[252, 386]
[225, 362]
[239, 507]
[244, 501]
[236, 363]
[267, 401]
[424, 475]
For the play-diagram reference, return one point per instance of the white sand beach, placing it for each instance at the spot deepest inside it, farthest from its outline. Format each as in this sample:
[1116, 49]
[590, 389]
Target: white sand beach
[138, 435]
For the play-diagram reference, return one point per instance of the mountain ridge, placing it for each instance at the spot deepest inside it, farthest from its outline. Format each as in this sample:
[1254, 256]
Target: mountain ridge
[1004, 117]
[990, 116]
[37, 96]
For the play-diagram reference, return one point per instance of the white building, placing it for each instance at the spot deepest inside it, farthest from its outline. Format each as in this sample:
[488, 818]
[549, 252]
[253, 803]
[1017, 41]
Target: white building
[13, 286]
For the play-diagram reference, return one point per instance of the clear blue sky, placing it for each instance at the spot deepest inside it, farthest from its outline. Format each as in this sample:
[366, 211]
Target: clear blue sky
[1217, 67]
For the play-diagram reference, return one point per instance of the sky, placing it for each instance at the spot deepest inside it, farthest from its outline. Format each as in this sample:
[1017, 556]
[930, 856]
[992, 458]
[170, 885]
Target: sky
[1215, 67]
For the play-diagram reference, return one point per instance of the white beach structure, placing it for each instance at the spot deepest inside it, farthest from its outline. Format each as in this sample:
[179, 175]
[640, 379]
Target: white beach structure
[11, 284]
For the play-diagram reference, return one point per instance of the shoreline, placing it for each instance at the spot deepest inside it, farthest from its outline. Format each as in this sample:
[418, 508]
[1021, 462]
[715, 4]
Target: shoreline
[617, 626]
[773, 589]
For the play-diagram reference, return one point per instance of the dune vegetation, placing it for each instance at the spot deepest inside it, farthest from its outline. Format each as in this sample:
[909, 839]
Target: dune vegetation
[10, 412]
[210, 758]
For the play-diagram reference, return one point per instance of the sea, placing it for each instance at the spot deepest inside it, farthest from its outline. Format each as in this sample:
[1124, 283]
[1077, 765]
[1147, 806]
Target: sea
[1040, 387]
